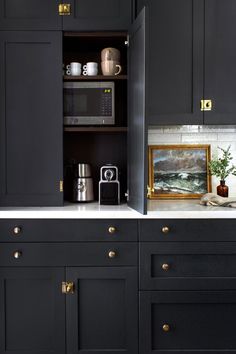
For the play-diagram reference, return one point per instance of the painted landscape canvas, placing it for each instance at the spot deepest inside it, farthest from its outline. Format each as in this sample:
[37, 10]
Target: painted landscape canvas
[179, 171]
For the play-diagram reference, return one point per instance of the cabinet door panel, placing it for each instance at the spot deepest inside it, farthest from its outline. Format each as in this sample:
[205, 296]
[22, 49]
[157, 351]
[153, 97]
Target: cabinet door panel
[220, 58]
[137, 132]
[31, 311]
[29, 15]
[197, 322]
[31, 118]
[99, 15]
[102, 313]
[175, 70]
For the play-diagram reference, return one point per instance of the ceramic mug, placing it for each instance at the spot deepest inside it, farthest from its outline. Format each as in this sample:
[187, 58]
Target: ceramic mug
[74, 69]
[111, 68]
[90, 69]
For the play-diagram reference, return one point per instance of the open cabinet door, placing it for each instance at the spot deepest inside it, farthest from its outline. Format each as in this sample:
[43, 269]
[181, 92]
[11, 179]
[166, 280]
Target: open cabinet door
[137, 131]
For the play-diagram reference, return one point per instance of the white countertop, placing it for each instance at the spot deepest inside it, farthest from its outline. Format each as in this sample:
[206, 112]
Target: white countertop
[165, 209]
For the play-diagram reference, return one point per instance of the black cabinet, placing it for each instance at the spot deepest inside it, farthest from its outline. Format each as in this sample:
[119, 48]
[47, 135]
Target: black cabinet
[31, 118]
[93, 15]
[30, 15]
[102, 312]
[191, 58]
[187, 322]
[32, 311]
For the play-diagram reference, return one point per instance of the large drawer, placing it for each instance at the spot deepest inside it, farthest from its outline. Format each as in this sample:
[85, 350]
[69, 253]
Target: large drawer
[188, 230]
[187, 266]
[53, 230]
[187, 321]
[71, 254]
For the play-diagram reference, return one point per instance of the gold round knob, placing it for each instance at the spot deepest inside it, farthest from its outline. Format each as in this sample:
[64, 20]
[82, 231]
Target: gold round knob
[17, 254]
[111, 254]
[111, 230]
[16, 230]
[165, 266]
[166, 327]
[165, 229]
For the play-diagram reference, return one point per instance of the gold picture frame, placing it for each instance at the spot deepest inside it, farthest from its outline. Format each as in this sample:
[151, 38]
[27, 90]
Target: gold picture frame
[179, 171]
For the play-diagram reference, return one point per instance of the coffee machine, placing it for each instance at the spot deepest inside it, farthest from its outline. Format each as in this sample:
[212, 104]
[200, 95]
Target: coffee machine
[82, 183]
[109, 186]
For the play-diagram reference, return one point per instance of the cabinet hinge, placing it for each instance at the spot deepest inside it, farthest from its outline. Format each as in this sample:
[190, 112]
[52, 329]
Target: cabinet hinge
[206, 105]
[127, 41]
[61, 186]
[149, 191]
[67, 287]
[64, 9]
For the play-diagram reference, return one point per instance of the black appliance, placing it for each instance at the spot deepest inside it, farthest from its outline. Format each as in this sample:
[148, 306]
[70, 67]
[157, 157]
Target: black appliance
[109, 186]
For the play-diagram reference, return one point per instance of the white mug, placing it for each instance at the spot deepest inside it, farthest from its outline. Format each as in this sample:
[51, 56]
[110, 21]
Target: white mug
[74, 68]
[90, 69]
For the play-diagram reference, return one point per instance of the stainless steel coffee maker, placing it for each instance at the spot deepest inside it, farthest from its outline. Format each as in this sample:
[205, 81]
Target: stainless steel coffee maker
[82, 183]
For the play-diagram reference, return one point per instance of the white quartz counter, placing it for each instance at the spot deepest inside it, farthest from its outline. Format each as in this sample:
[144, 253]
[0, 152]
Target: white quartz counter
[166, 209]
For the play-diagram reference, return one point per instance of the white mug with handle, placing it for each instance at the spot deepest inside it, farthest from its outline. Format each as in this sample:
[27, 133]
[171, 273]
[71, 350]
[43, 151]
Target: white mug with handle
[90, 69]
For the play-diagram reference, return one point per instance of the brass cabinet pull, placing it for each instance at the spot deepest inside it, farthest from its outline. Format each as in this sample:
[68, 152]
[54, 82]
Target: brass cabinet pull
[206, 105]
[111, 229]
[111, 254]
[17, 254]
[166, 327]
[17, 230]
[64, 9]
[165, 229]
[165, 266]
[67, 287]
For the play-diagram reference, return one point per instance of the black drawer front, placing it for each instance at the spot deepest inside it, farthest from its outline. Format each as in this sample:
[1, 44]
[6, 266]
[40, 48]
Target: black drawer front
[68, 230]
[188, 230]
[193, 321]
[183, 266]
[73, 254]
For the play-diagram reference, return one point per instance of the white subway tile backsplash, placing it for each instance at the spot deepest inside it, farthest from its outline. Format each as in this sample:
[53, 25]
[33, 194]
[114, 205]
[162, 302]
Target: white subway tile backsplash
[216, 135]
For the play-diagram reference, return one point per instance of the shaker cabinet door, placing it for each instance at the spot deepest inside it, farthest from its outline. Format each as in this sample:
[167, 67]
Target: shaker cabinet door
[93, 15]
[30, 15]
[220, 58]
[102, 313]
[31, 118]
[32, 311]
[175, 63]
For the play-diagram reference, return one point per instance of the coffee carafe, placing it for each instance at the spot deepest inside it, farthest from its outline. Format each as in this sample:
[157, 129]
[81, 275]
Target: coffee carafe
[82, 183]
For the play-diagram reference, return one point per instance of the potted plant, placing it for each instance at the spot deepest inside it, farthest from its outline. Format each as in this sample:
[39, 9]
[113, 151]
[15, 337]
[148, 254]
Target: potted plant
[221, 168]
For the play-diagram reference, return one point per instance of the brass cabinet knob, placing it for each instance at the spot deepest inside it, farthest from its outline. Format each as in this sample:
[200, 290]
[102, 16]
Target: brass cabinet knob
[165, 266]
[17, 230]
[165, 229]
[166, 327]
[17, 254]
[68, 287]
[111, 254]
[111, 229]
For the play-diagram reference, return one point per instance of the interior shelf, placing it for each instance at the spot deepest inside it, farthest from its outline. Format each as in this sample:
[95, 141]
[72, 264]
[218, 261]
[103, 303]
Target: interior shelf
[97, 77]
[95, 129]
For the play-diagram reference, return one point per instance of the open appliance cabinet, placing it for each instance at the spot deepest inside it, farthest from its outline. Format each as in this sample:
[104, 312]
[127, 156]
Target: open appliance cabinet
[97, 145]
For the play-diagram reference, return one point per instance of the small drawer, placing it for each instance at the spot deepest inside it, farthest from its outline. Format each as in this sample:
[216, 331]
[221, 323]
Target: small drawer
[187, 266]
[188, 230]
[187, 321]
[30, 230]
[72, 254]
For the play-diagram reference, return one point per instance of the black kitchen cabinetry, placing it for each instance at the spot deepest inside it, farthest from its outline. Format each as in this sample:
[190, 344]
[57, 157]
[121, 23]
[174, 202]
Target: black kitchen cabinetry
[31, 126]
[32, 310]
[102, 15]
[187, 286]
[74, 297]
[30, 15]
[191, 58]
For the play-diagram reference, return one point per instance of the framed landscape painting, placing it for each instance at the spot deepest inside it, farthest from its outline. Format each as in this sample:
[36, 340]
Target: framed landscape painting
[179, 171]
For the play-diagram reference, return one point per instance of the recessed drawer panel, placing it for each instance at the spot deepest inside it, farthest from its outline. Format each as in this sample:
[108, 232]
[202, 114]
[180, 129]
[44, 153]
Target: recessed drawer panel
[188, 230]
[73, 254]
[182, 322]
[30, 230]
[165, 266]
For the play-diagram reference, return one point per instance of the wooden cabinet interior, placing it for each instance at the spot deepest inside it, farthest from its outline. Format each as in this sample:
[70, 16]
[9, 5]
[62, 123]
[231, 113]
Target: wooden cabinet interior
[97, 145]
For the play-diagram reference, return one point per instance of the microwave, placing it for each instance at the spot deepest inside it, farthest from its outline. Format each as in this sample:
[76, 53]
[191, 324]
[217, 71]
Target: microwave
[89, 103]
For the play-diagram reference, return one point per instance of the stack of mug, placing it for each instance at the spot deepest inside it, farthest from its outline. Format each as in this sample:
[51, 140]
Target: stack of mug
[75, 69]
[110, 62]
